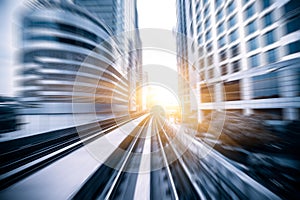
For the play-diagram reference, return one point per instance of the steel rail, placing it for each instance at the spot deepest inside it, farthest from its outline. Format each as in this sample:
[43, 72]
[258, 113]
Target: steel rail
[48, 156]
[166, 164]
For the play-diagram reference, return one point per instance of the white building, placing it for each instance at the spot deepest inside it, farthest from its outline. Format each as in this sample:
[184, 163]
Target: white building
[246, 56]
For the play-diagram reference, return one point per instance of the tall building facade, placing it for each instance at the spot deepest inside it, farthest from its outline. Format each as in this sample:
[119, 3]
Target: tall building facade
[71, 56]
[122, 18]
[110, 12]
[247, 56]
[182, 54]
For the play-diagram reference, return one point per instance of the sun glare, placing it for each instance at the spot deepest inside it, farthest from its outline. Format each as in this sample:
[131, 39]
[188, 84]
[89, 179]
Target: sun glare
[158, 95]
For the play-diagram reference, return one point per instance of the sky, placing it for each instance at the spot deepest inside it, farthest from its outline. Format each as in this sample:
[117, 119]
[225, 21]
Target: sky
[160, 14]
[157, 13]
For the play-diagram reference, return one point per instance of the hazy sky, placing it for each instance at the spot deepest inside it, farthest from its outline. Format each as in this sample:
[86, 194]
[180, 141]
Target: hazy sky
[159, 14]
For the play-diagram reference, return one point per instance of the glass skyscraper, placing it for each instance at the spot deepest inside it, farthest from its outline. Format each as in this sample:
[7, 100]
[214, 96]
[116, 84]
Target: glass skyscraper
[245, 56]
[72, 55]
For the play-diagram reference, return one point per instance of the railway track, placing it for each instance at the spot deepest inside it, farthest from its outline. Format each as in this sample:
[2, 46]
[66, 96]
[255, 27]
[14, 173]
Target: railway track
[116, 184]
[171, 173]
[21, 157]
[185, 177]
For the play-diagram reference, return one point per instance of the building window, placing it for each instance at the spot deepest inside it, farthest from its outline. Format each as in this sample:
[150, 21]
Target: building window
[254, 60]
[192, 29]
[208, 35]
[266, 3]
[249, 12]
[235, 51]
[201, 63]
[206, 10]
[231, 22]
[209, 48]
[291, 6]
[269, 37]
[207, 93]
[205, 2]
[190, 11]
[198, 17]
[230, 8]
[269, 114]
[199, 28]
[199, 39]
[232, 91]
[236, 66]
[207, 23]
[197, 5]
[271, 56]
[220, 15]
[210, 60]
[268, 19]
[218, 3]
[211, 73]
[294, 47]
[252, 44]
[200, 51]
[233, 35]
[202, 77]
[220, 28]
[223, 55]
[223, 70]
[293, 25]
[221, 42]
[251, 27]
[265, 86]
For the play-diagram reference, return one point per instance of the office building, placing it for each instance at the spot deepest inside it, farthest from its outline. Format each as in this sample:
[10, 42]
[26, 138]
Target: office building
[245, 54]
[72, 61]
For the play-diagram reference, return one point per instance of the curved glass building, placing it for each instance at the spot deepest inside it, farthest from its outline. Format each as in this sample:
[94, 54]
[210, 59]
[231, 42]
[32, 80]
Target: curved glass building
[70, 57]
